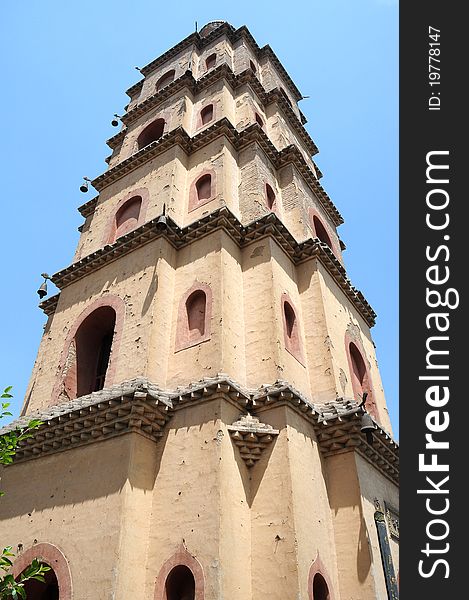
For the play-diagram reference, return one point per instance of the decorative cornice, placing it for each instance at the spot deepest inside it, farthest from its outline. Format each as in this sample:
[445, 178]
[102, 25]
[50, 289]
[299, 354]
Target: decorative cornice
[252, 437]
[88, 208]
[239, 139]
[223, 72]
[142, 407]
[50, 304]
[243, 235]
[201, 42]
[131, 407]
[337, 427]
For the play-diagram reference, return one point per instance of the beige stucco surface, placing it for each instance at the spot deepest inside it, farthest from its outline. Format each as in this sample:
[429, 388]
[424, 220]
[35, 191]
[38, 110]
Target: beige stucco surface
[121, 507]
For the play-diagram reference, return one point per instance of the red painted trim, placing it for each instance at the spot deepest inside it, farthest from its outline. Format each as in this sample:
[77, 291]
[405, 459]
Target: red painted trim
[312, 212]
[318, 567]
[110, 229]
[193, 199]
[52, 556]
[118, 305]
[293, 346]
[370, 403]
[211, 55]
[165, 115]
[274, 208]
[181, 557]
[183, 339]
[199, 123]
[158, 86]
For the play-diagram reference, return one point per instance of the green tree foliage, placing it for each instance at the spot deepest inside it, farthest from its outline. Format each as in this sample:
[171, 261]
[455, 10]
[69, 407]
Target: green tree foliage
[9, 442]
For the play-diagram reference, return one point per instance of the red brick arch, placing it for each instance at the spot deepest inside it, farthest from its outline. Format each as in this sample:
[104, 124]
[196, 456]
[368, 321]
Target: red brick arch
[370, 404]
[164, 114]
[180, 557]
[118, 305]
[199, 123]
[292, 339]
[109, 231]
[312, 212]
[318, 567]
[183, 337]
[52, 556]
[194, 201]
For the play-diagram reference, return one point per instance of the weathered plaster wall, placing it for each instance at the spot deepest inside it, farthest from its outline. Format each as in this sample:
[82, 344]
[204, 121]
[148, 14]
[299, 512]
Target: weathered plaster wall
[340, 317]
[354, 558]
[77, 501]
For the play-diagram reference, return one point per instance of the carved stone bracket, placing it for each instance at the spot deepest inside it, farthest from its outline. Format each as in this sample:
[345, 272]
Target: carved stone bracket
[252, 437]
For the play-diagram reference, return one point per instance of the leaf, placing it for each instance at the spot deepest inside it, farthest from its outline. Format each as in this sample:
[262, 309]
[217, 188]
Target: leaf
[22, 591]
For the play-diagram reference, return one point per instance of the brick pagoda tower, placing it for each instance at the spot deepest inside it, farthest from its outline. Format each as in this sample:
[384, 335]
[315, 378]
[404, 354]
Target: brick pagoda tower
[201, 371]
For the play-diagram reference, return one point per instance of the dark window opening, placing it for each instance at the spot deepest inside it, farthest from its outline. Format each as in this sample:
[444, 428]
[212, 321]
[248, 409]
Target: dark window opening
[204, 187]
[165, 80]
[37, 590]
[127, 216]
[196, 306]
[321, 232]
[93, 343]
[270, 196]
[290, 320]
[320, 589]
[151, 133]
[252, 66]
[259, 119]
[211, 61]
[180, 584]
[206, 114]
[358, 366]
[103, 362]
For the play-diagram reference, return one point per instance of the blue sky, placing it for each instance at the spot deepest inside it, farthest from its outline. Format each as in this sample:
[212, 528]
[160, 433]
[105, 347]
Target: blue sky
[65, 67]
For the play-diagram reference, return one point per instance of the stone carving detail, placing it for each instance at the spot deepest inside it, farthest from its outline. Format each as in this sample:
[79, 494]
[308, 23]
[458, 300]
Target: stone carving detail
[251, 436]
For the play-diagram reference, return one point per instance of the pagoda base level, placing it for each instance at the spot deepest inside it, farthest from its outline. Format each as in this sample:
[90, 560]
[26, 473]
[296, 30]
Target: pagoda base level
[240, 489]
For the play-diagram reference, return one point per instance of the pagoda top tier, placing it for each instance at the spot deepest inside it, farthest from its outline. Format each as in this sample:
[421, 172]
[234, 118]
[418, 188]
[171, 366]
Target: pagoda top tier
[206, 36]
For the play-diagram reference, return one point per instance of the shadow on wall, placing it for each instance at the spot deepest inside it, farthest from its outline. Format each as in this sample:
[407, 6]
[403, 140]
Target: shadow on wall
[76, 476]
[94, 471]
[344, 496]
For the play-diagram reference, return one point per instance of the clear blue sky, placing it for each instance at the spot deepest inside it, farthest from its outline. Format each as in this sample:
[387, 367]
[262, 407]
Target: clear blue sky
[65, 67]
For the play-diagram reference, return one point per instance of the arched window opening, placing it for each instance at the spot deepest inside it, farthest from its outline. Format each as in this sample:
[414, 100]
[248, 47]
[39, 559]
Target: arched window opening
[93, 343]
[196, 306]
[127, 216]
[259, 120]
[151, 133]
[252, 66]
[320, 589]
[358, 367]
[211, 61]
[290, 321]
[360, 376]
[321, 232]
[37, 590]
[165, 80]
[270, 196]
[180, 584]
[291, 329]
[204, 187]
[206, 114]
